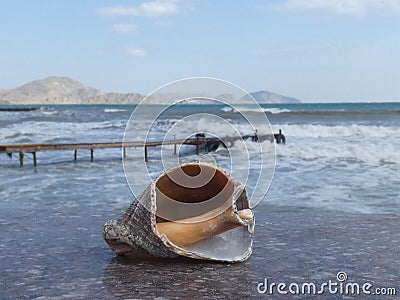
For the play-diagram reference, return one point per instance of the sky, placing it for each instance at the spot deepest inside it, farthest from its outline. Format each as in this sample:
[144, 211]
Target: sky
[313, 50]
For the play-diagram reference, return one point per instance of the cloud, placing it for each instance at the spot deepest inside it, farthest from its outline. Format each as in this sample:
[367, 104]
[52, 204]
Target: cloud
[150, 9]
[124, 29]
[343, 7]
[134, 51]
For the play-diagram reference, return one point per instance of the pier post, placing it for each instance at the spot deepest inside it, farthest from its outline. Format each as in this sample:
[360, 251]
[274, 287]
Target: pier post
[34, 159]
[197, 145]
[91, 154]
[21, 159]
[174, 145]
[75, 154]
[124, 152]
[145, 154]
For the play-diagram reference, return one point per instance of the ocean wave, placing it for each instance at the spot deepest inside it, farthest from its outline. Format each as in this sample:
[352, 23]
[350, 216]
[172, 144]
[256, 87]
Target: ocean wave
[227, 109]
[373, 154]
[344, 112]
[323, 131]
[44, 131]
[19, 134]
[46, 108]
[276, 110]
[49, 113]
[106, 125]
[272, 110]
[113, 110]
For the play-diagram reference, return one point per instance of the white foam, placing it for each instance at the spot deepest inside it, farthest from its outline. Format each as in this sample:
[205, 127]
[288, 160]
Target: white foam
[244, 109]
[369, 153]
[49, 112]
[323, 131]
[227, 109]
[113, 110]
[45, 131]
[276, 110]
[272, 110]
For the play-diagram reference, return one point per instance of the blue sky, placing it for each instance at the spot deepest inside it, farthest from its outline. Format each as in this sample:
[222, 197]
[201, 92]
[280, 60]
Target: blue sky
[314, 50]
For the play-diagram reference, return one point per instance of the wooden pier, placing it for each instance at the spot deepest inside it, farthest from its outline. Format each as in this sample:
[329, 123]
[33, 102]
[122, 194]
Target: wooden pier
[198, 141]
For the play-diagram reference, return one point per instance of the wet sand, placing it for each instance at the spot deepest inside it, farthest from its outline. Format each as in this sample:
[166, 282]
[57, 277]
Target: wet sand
[59, 253]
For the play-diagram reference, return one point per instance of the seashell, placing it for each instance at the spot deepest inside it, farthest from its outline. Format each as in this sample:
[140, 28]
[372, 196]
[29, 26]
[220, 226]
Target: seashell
[194, 210]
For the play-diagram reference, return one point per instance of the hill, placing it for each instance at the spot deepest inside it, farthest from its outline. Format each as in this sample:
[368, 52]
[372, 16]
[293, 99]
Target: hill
[64, 90]
[264, 97]
[57, 90]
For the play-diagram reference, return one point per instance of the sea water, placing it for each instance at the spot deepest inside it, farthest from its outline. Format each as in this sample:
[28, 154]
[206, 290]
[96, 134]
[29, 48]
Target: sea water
[338, 157]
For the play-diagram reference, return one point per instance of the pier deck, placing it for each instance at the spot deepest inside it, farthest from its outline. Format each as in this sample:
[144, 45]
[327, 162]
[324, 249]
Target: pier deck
[21, 149]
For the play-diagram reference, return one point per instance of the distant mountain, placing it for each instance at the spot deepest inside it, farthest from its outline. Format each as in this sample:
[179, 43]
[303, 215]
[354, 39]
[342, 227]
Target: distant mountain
[115, 98]
[1, 100]
[264, 97]
[61, 90]
[64, 90]
[226, 97]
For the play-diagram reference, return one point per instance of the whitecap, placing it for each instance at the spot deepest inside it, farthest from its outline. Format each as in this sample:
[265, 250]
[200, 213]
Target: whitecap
[113, 110]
